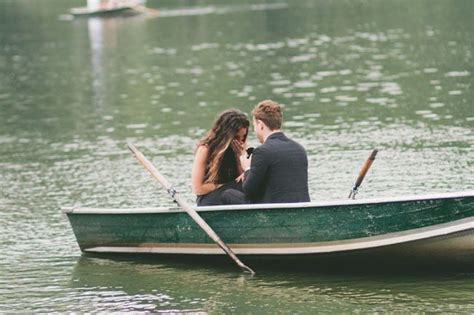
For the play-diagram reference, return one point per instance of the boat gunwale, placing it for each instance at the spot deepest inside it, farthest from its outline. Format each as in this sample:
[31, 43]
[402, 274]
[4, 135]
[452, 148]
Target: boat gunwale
[270, 206]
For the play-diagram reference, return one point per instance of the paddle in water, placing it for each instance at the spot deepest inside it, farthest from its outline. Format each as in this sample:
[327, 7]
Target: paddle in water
[362, 173]
[186, 207]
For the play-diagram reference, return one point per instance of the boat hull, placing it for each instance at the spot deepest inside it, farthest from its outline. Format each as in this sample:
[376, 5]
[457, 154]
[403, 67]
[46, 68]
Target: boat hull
[428, 226]
[86, 12]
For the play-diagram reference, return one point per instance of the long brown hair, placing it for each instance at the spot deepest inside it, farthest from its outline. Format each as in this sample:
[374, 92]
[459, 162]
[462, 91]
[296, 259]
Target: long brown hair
[219, 137]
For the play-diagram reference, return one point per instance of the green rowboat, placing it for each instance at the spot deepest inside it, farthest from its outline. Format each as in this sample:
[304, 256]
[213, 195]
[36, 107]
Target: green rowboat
[84, 11]
[437, 226]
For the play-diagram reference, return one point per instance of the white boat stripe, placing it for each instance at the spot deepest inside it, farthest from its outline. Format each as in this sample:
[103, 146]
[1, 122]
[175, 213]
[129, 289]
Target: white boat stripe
[319, 204]
[309, 248]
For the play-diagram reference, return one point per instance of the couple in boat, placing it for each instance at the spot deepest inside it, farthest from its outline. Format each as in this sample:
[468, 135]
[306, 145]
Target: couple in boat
[226, 172]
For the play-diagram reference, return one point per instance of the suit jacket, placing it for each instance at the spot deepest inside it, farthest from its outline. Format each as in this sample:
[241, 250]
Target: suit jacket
[278, 172]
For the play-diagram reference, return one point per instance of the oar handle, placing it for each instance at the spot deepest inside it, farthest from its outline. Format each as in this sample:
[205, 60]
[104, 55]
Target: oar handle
[186, 207]
[362, 172]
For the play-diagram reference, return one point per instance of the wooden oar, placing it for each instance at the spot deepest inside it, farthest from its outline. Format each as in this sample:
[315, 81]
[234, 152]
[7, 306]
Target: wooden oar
[362, 173]
[186, 207]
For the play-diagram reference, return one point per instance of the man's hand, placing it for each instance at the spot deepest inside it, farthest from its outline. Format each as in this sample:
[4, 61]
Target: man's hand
[245, 162]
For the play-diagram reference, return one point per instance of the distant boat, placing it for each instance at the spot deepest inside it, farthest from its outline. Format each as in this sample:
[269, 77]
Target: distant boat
[107, 7]
[436, 227]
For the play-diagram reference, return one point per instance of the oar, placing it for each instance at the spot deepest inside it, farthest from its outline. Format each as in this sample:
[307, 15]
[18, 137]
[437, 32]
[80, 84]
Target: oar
[362, 173]
[186, 207]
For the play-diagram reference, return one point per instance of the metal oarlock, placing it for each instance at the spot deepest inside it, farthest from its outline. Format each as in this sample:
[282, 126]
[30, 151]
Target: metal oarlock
[172, 192]
[353, 193]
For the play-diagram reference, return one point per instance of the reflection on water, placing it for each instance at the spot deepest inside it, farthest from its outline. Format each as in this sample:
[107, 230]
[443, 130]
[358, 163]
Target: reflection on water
[97, 29]
[352, 76]
[144, 285]
[220, 9]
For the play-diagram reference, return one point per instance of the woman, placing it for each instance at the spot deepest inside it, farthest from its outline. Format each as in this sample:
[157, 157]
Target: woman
[216, 175]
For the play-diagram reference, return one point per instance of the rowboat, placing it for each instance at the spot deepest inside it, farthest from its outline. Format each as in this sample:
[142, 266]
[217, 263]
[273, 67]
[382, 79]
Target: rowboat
[435, 228]
[106, 7]
[84, 11]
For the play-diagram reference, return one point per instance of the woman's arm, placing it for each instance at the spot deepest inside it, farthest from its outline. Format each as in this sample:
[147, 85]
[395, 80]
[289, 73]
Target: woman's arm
[239, 148]
[198, 173]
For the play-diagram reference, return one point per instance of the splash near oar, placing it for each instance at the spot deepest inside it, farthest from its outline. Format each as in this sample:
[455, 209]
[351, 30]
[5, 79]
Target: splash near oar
[363, 171]
[186, 207]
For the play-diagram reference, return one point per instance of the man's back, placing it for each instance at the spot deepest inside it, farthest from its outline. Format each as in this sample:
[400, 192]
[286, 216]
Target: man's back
[279, 172]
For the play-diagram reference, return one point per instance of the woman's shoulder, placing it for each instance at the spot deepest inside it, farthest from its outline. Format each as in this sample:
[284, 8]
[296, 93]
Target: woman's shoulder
[202, 149]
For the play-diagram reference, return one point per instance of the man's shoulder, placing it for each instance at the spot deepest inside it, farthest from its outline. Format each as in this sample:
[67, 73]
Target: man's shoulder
[262, 149]
[296, 143]
[282, 139]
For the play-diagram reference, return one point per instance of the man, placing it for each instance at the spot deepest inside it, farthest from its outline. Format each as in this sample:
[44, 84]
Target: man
[278, 169]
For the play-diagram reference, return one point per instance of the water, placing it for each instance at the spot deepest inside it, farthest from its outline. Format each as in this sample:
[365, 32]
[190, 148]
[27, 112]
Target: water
[352, 75]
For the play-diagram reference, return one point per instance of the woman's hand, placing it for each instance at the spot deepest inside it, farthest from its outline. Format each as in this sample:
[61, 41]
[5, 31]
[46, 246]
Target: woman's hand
[240, 178]
[238, 147]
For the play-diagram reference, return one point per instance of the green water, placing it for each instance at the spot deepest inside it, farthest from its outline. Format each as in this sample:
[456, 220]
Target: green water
[352, 76]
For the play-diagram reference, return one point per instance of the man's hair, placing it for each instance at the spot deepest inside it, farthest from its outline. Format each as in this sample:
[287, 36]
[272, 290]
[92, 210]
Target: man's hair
[269, 112]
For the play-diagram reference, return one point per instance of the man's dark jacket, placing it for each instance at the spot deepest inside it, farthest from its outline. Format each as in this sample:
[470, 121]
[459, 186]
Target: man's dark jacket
[278, 172]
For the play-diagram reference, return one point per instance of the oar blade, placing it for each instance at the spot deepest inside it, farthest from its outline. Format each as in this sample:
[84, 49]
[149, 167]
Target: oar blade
[186, 207]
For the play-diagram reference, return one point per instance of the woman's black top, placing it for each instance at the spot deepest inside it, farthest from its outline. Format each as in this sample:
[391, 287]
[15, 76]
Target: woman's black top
[228, 170]
[230, 192]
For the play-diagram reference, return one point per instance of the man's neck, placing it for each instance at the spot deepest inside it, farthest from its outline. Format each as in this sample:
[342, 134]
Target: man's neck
[270, 133]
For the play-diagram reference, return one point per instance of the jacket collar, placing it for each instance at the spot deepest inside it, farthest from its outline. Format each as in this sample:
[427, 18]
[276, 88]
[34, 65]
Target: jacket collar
[276, 135]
